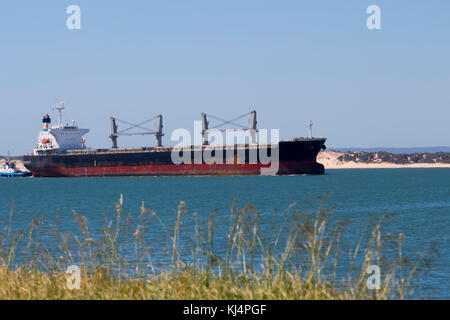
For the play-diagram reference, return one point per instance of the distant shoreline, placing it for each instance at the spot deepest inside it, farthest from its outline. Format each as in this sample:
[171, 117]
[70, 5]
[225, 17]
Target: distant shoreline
[388, 166]
[334, 160]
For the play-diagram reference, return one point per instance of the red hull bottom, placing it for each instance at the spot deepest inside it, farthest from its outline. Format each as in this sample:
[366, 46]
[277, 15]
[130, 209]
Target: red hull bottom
[285, 168]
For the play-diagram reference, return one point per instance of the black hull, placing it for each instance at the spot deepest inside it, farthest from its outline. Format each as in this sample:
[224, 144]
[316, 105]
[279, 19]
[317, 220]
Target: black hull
[295, 157]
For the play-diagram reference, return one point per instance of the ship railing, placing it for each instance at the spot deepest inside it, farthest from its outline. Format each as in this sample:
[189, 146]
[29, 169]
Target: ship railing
[169, 149]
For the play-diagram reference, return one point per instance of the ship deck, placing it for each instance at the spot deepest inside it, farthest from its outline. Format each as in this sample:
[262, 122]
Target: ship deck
[169, 149]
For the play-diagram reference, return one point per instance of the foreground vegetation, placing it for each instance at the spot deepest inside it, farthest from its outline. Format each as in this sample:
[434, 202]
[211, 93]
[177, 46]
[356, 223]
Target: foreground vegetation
[300, 259]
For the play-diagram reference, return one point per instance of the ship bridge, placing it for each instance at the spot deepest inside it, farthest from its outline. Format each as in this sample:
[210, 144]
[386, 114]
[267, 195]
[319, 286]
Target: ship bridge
[59, 138]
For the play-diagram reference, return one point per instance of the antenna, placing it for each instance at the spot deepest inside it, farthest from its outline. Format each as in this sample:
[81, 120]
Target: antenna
[60, 107]
[310, 123]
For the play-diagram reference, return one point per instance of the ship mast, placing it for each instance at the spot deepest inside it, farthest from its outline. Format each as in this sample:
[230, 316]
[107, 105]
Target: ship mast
[60, 107]
[310, 123]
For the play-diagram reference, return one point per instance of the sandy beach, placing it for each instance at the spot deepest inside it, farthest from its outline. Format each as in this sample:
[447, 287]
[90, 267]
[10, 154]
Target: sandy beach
[330, 160]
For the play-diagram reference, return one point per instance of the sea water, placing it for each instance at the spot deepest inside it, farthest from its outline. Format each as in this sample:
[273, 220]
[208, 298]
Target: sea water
[419, 198]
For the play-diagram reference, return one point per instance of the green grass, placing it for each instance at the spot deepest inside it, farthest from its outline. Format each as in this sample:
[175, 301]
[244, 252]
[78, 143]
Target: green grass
[299, 259]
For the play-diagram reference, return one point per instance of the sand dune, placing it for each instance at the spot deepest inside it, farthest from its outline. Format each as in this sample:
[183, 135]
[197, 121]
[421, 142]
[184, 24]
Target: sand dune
[330, 160]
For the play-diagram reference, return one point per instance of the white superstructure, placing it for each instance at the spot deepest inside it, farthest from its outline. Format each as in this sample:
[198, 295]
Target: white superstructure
[59, 138]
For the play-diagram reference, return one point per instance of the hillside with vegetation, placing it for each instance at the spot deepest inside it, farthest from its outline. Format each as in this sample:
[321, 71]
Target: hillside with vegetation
[350, 159]
[403, 158]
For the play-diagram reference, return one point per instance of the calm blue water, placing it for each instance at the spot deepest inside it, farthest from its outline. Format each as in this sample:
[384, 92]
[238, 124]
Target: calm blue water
[420, 198]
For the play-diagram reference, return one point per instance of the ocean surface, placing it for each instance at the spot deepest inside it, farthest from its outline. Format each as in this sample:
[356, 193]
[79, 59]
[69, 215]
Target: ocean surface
[419, 198]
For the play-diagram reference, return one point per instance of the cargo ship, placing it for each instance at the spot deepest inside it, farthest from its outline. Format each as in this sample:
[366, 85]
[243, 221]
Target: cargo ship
[61, 152]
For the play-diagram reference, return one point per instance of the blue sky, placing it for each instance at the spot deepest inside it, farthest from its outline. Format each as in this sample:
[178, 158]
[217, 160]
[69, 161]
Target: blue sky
[292, 61]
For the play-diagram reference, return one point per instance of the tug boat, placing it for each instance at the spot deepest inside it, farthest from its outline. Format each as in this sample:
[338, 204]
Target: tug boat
[10, 170]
